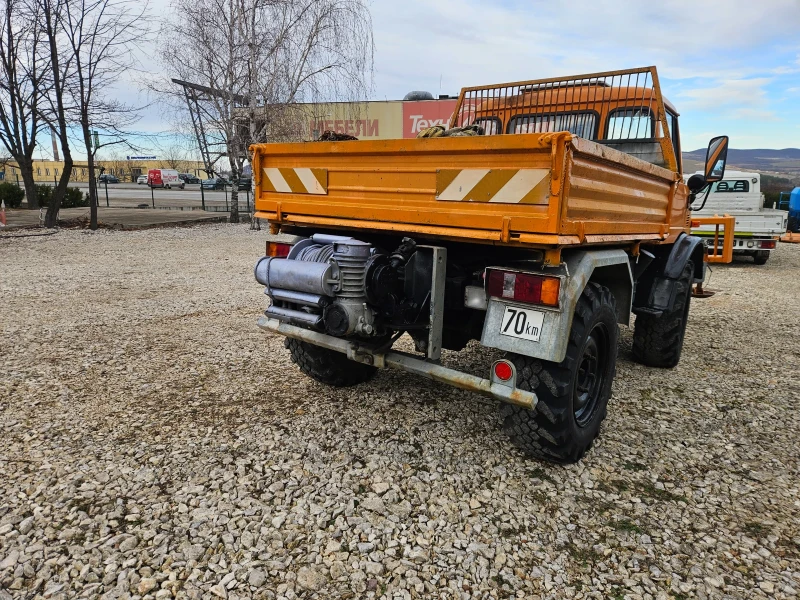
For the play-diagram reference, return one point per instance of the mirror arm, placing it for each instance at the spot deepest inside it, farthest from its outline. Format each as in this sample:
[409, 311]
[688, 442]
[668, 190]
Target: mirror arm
[693, 197]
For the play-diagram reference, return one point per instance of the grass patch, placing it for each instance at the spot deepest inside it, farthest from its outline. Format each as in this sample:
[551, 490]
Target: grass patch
[613, 486]
[540, 473]
[539, 496]
[584, 556]
[634, 466]
[664, 495]
[605, 507]
[626, 525]
[756, 530]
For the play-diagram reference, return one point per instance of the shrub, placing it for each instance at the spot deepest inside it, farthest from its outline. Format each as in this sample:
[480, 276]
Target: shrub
[11, 194]
[74, 198]
[44, 193]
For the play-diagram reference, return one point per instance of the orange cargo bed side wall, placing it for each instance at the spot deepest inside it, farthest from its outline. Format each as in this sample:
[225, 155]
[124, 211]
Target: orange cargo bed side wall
[609, 194]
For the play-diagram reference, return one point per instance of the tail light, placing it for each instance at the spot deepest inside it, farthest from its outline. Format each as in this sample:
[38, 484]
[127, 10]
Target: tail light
[768, 244]
[523, 287]
[278, 250]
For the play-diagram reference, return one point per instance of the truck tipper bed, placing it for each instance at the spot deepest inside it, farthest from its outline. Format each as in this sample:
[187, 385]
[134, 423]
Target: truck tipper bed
[565, 214]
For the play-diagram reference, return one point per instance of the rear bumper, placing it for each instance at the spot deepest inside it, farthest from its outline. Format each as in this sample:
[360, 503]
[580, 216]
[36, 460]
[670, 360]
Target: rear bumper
[404, 362]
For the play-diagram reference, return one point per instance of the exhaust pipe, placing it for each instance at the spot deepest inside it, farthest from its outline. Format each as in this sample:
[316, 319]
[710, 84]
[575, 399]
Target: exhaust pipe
[287, 314]
[300, 298]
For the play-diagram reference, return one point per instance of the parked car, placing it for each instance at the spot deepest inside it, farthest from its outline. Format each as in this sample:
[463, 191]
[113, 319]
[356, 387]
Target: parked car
[164, 178]
[188, 178]
[106, 178]
[215, 183]
[246, 183]
[141, 179]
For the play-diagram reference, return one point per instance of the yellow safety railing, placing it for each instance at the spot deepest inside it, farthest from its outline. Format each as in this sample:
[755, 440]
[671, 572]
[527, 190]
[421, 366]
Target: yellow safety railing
[722, 250]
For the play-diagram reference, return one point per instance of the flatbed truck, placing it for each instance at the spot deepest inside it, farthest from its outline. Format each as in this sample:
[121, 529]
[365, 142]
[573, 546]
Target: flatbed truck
[757, 229]
[564, 217]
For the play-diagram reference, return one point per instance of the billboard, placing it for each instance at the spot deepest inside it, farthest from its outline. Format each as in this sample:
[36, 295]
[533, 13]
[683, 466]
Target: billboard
[365, 120]
[426, 113]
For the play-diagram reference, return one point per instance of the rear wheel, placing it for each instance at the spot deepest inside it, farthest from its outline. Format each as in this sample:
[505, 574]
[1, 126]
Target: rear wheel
[658, 341]
[761, 257]
[327, 366]
[573, 394]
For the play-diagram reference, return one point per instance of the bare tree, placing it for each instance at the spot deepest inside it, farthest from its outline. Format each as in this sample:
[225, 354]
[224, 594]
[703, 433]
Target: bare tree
[23, 85]
[257, 59]
[55, 112]
[175, 153]
[91, 44]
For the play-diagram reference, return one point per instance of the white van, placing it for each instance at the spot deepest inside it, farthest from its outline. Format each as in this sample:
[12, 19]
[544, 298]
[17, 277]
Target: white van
[164, 178]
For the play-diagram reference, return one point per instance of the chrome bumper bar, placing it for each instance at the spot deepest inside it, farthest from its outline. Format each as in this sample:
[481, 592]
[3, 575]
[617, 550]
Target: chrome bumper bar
[403, 362]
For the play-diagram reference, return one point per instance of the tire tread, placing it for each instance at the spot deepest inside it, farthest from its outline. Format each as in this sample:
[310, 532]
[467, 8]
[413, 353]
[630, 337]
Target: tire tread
[327, 366]
[547, 431]
[658, 341]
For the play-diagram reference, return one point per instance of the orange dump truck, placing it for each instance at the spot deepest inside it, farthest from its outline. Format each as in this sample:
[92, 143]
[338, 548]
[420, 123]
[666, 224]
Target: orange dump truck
[549, 212]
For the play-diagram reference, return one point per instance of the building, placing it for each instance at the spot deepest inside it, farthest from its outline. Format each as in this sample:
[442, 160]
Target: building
[49, 171]
[374, 120]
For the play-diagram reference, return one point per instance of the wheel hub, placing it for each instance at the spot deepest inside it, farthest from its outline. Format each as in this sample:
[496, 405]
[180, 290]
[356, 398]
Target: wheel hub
[590, 376]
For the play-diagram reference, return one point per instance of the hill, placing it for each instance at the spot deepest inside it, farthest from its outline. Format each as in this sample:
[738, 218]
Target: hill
[783, 163]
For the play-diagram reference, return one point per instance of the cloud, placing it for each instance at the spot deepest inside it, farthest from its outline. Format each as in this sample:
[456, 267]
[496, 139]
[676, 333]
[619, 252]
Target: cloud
[737, 96]
[717, 57]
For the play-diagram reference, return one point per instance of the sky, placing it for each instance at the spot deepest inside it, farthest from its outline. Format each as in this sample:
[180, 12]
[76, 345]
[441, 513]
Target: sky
[729, 66]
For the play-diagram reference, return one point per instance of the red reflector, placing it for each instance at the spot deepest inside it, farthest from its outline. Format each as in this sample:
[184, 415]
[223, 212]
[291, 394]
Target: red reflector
[769, 244]
[278, 250]
[503, 370]
[523, 287]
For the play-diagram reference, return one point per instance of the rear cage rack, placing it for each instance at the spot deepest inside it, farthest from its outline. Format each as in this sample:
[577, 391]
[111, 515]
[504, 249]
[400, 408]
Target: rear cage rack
[635, 92]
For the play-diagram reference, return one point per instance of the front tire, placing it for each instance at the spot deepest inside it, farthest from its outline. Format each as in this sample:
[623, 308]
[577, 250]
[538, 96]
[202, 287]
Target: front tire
[328, 366]
[573, 394]
[761, 257]
[658, 341]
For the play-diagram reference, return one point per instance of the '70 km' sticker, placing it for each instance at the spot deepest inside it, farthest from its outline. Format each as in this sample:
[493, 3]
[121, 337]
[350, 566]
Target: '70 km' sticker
[522, 323]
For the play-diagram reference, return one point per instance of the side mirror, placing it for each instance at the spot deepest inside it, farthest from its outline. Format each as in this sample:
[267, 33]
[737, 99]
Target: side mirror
[716, 157]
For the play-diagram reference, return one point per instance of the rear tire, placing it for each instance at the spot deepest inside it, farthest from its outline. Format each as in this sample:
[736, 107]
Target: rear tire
[573, 394]
[761, 257]
[328, 366]
[658, 341]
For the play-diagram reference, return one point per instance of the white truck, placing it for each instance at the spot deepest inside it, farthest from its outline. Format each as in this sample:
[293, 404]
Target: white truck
[739, 195]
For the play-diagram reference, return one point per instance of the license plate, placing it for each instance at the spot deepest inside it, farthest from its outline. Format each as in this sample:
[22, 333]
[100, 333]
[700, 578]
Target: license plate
[522, 323]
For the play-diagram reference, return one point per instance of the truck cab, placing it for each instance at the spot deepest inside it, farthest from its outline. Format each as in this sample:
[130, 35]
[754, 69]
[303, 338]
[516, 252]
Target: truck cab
[619, 113]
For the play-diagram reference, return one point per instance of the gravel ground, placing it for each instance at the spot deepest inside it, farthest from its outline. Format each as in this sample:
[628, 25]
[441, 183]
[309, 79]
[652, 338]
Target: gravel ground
[154, 443]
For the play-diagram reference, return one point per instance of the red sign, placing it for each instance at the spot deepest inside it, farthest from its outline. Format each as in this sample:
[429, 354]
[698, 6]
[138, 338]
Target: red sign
[426, 113]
